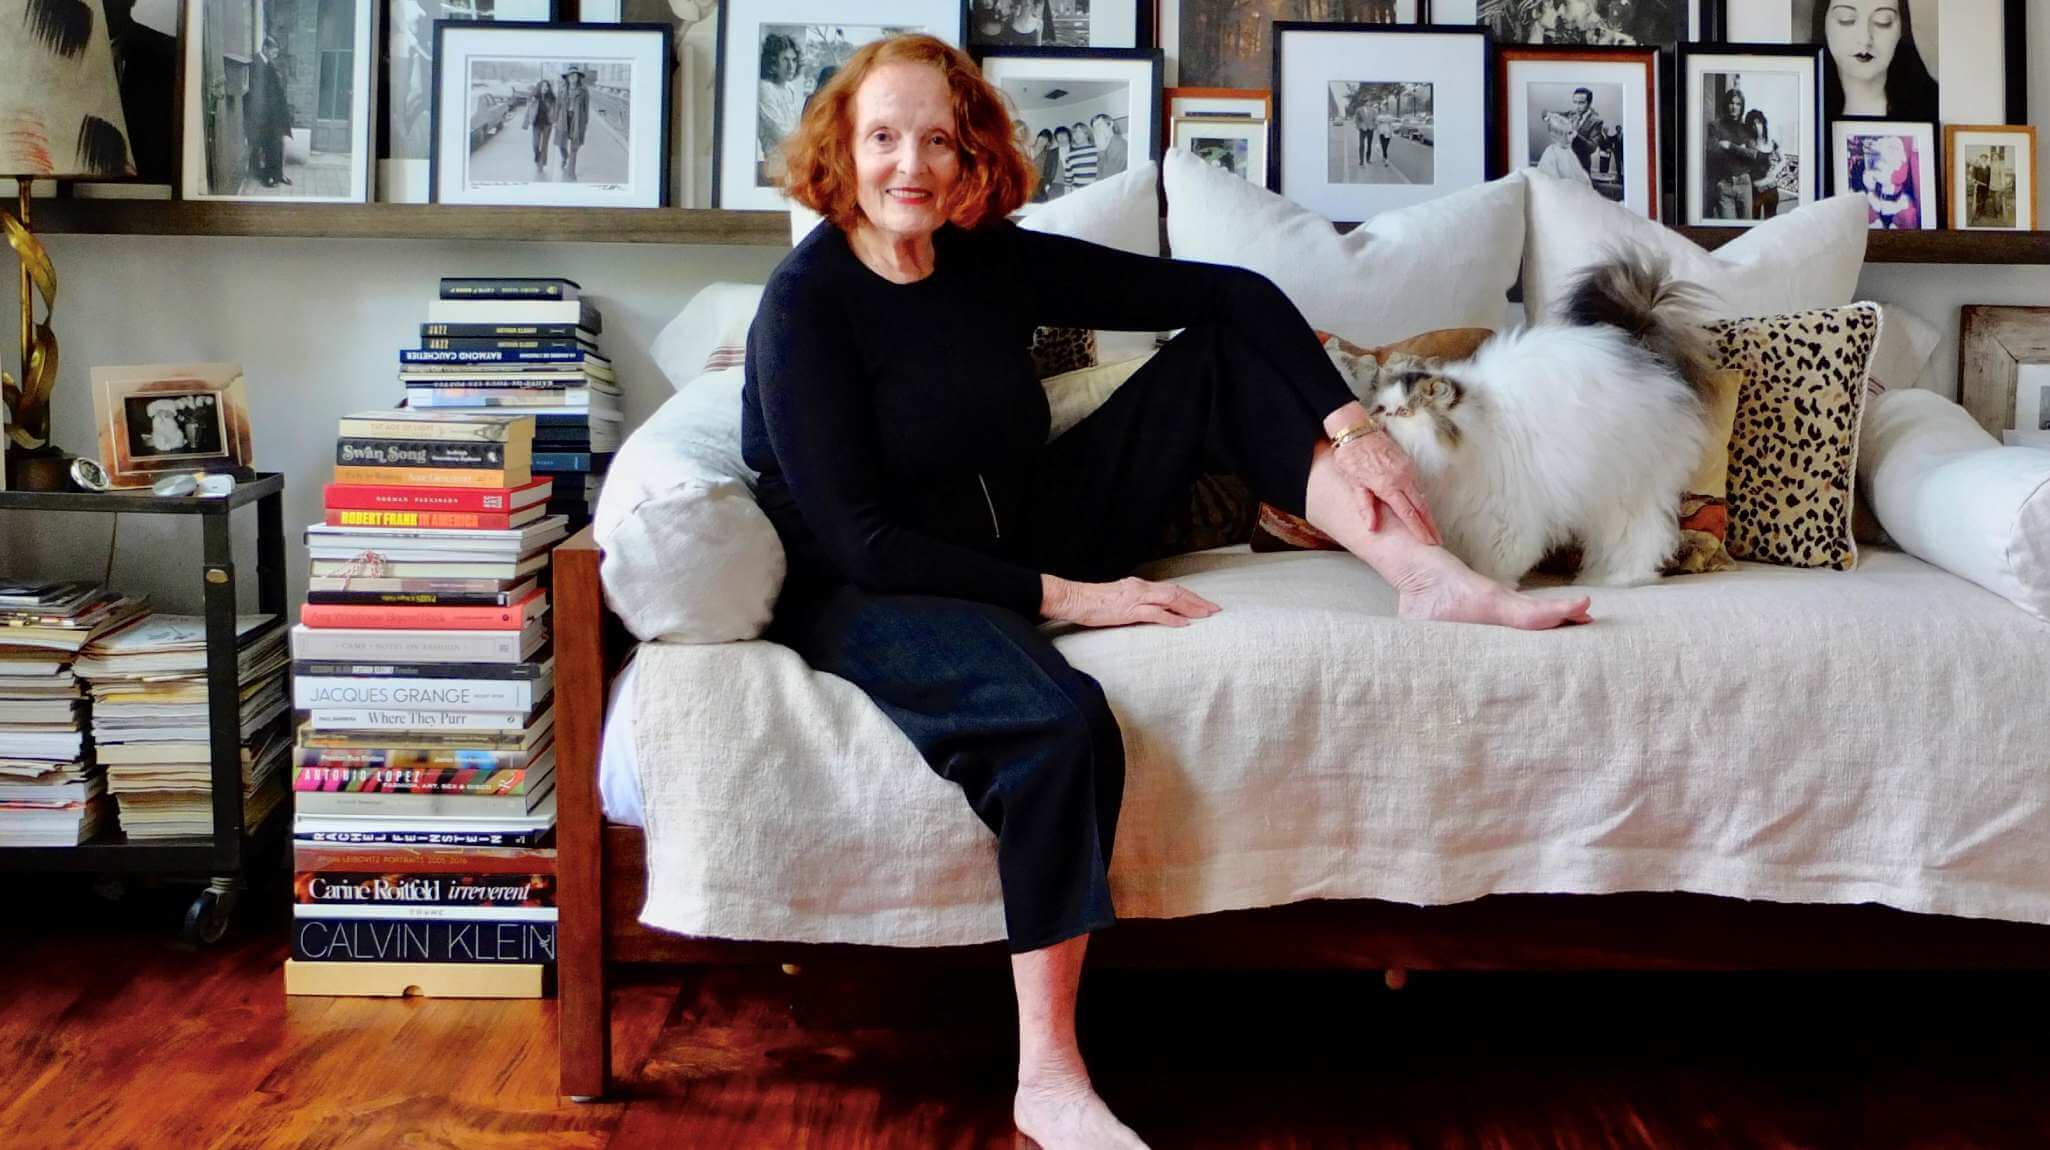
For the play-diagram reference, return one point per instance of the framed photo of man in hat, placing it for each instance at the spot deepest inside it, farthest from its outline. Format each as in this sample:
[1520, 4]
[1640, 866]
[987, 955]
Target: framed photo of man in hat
[564, 114]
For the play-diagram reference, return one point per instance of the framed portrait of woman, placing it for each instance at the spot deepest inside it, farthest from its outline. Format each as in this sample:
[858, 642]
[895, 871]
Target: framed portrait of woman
[1892, 163]
[773, 56]
[1751, 117]
[1901, 59]
[1590, 115]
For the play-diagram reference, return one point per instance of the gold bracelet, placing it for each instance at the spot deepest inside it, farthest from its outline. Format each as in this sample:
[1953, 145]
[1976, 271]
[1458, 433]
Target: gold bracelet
[1360, 430]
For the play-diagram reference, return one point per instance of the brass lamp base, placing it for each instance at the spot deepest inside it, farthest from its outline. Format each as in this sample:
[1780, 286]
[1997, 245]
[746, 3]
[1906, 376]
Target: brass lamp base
[45, 468]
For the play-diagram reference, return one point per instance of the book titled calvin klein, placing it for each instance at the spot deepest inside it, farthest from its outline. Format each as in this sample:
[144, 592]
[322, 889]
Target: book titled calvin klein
[423, 940]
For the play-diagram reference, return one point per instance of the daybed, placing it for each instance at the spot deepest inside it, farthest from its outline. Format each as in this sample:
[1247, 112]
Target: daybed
[1761, 767]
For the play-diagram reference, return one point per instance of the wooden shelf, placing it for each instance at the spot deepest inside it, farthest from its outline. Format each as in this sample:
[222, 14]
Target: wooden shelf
[714, 226]
[412, 222]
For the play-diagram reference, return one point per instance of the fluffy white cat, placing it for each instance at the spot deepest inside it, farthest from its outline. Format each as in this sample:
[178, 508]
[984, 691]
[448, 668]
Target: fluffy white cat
[1581, 429]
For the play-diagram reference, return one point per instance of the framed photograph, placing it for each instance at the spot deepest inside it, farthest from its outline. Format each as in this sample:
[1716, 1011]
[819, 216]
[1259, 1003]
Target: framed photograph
[1234, 143]
[999, 24]
[1083, 114]
[1892, 163]
[773, 54]
[1590, 23]
[571, 115]
[277, 100]
[1990, 177]
[1229, 43]
[691, 91]
[2003, 367]
[403, 176]
[1752, 120]
[155, 419]
[1885, 56]
[1244, 103]
[1590, 115]
[1369, 118]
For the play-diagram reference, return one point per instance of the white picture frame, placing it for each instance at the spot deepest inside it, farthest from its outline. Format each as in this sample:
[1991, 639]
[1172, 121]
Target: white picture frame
[624, 74]
[1431, 87]
[1235, 143]
[1910, 188]
[403, 176]
[1787, 81]
[1051, 87]
[744, 171]
[331, 156]
[2001, 195]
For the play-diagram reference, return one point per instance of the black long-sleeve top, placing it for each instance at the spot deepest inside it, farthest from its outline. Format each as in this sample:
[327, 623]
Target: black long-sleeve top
[894, 426]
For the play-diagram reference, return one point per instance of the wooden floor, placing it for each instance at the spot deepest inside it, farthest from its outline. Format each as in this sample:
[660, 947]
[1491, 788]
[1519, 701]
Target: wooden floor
[112, 1035]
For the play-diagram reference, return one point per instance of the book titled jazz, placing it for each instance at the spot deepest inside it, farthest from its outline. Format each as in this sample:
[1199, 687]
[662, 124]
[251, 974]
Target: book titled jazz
[390, 497]
[397, 888]
[506, 331]
[368, 617]
[421, 940]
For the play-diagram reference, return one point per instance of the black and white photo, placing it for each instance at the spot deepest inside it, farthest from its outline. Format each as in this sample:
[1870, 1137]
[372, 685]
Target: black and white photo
[1598, 23]
[1588, 115]
[551, 114]
[1892, 163]
[773, 55]
[692, 90]
[1752, 119]
[164, 427]
[1234, 144]
[277, 99]
[1991, 178]
[1083, 115]
[1230, 43]
[1394, 118]
[157, 419]
[1372, 118]
[1887, 59]
[409, 90]
[1056, 23]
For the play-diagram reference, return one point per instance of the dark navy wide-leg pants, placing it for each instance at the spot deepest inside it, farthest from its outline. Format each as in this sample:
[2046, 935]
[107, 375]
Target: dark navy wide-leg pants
[983, 694]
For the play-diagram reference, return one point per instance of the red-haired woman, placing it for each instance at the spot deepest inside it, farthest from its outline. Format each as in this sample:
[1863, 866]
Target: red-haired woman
[891, 410]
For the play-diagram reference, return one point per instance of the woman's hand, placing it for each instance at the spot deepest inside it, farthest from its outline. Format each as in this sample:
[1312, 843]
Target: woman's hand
[1381, 472]
[1129, 600]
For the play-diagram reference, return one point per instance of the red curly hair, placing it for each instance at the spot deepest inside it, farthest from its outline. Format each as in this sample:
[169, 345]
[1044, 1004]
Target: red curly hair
[996, 177]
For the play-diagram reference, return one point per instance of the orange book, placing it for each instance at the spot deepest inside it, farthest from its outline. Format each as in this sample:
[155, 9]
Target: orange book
[433, 476]
[379, 617]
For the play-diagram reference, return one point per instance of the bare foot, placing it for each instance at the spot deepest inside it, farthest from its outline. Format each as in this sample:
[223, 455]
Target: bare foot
[1067, 1114]
[1454, 594]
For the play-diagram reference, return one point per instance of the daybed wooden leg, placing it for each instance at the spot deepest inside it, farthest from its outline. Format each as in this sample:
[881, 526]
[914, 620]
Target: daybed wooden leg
[1395, 978]
[584, 1031]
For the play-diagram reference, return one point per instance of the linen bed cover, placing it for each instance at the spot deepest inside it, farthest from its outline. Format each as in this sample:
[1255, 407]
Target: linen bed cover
[1765, 733]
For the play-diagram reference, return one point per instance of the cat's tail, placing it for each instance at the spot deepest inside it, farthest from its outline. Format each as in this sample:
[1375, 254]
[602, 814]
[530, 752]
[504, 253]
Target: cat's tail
[1634, 289]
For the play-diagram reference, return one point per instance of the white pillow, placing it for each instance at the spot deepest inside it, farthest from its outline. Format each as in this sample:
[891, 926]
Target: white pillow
[1122, 212]
[1447, 263]
[689, 556]
[1906, 342]
[1801, 261]
[1951, 495]
[710, 332]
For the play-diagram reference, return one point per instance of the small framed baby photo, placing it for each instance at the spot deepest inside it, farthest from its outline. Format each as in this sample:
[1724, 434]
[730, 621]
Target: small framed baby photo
[1991, 181]
[1584, 114]
[1892, 163]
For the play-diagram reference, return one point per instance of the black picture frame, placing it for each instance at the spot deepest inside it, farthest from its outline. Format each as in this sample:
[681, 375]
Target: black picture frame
[1683, 128]
[666, 31]
[1715, 15]
[1488, 128]
[1143, 32]
[384, 69]
[1154, 56]
[723, 29]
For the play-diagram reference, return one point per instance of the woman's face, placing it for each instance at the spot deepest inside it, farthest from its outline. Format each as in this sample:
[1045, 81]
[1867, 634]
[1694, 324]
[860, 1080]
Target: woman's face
[1863, 35]
[906, 159]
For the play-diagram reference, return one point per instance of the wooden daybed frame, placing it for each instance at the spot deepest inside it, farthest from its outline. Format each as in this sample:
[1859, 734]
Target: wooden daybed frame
[602, 873]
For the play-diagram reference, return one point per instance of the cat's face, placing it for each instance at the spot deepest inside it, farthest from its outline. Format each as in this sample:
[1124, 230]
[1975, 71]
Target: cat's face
[1419, 407]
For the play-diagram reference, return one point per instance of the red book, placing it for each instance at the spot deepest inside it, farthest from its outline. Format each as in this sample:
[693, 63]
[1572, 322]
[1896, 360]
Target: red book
[379, 617]
[365, 497]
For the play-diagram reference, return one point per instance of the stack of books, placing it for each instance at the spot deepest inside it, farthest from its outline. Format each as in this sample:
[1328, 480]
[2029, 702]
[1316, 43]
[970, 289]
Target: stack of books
[531, 346]
[52, 789]
[151, 728]
[423, 770]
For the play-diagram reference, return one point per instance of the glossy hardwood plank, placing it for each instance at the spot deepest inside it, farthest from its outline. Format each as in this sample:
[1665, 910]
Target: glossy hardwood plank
[413, 222]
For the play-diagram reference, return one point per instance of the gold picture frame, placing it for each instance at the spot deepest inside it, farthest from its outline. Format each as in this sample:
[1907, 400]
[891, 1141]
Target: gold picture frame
[1989, 204]
[161, 419]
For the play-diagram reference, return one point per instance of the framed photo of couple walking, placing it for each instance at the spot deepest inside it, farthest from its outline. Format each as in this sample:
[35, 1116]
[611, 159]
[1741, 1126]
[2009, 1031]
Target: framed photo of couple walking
[1752, 131]
[568, 115]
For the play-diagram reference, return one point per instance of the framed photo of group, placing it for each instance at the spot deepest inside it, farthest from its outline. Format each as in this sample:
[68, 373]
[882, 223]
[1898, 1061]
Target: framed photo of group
[1590, 115]
[1751, 129]
[1227, 128]
[1082, 114]
[1369, 118]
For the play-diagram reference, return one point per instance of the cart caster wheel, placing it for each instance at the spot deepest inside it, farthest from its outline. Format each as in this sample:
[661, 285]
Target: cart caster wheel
[207, 921]
[111, 889]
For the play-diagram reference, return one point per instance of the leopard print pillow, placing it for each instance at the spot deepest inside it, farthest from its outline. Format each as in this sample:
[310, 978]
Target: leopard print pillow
[1059, 350]
[1794, 450]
